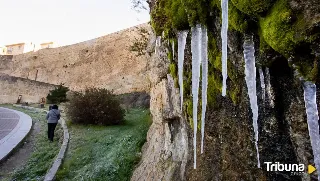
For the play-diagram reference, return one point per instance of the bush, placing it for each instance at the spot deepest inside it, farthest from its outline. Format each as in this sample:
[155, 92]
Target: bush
[58, 95]
[95, 106]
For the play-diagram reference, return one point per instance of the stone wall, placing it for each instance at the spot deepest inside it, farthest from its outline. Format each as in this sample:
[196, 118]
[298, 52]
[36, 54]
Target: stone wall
[31, 91]
[105, 62]
[5, 62]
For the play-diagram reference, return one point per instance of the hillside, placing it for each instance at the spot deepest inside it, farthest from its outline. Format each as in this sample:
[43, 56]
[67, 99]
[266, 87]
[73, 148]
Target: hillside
[105, 62]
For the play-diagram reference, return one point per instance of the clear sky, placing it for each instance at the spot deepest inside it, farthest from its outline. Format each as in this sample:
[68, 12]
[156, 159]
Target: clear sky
[64, 21]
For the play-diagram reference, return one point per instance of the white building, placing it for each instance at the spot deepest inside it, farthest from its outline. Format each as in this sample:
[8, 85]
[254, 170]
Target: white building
[46, 45]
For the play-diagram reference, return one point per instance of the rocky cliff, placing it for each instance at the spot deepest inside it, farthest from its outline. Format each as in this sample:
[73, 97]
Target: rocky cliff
[114, 61]
[286, 36]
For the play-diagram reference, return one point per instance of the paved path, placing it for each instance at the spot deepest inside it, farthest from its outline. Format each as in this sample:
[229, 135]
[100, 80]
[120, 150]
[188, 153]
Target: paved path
[8, 121]
[14, 127]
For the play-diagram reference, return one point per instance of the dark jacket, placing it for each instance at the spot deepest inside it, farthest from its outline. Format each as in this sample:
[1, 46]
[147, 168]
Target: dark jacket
[53, 116]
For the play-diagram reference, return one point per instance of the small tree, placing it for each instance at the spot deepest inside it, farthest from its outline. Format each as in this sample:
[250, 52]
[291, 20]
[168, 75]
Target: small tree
[58, 95]
[95, 106]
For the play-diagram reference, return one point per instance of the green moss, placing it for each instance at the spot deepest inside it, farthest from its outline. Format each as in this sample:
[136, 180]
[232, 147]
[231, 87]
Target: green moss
[217, 64]
[232, 72]
[253, 7]
[197, 11]
[213, 51]
[237, 19]
[170, 56]
[214, 88]
[173, 73]
[264, 47]
[277, 29]
[158, 18]
[189, 107]
[307, 70]
[187, 84]
[176, 12]
[173, 70]
[234, 93]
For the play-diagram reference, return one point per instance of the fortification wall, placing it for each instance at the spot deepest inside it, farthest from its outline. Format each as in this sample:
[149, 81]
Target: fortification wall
[105, 62]
[31, 91]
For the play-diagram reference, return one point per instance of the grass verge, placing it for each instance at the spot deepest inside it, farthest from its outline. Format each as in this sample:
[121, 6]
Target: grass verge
[105, 153]
[43, 152]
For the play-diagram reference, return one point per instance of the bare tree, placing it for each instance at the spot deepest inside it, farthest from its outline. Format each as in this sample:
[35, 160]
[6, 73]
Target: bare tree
[140, 5]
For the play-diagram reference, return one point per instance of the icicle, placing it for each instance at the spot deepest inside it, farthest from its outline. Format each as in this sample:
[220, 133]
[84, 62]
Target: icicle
[204, 56]
[196, 61]
[268, 88]
[172, 49]
[310, 97]
[158, 44]
[182, 38]
[159, 41]
[224, 37]
[250, 71]
[263, 86]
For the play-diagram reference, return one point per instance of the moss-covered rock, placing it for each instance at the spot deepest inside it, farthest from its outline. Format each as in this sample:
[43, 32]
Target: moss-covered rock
[253, 7]
[278, 30]
[214, 88]
[158, 17]
[237, 19]
[197, 11]
[173, 70]
[176, 12]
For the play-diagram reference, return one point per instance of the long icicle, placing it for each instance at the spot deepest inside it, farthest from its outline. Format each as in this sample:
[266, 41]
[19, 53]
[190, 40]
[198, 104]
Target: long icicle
[263, 86]
[172, 49]
[204, 53]
[182, 39]
[196, 60]
[310, 99]
[250, 72]
[224, 37]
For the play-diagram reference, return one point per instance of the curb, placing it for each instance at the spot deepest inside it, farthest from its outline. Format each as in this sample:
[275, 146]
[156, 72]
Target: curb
[50, 175]
[23, 128]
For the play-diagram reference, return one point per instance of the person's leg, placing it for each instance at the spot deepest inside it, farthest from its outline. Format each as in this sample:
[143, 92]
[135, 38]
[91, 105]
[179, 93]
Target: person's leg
[49, 130]
[52, 130]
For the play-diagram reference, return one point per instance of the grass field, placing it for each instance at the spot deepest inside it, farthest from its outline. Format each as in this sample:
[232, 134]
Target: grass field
[43, 152]
[105, 153]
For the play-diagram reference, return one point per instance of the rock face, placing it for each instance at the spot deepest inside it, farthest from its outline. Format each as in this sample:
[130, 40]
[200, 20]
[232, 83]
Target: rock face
[166, 150]
[105, 62]
[229, 151]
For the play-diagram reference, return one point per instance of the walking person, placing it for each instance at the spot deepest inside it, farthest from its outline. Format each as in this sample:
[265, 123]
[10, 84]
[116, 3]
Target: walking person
[53, 116]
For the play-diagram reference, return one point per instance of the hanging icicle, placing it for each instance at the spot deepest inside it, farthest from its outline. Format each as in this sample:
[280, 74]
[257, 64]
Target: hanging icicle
[263, 86]
[196, 61]
[250, 71]
[204, 56]
[310, 99]
[172, 49]
[224, 37]
[182, 39]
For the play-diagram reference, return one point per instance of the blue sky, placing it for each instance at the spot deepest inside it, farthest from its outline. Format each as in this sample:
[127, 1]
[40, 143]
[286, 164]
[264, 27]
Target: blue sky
[64, 21]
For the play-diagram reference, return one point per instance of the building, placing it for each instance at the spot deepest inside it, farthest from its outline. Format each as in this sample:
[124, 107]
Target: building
[20, 48]
[15, 49]
[46, 45]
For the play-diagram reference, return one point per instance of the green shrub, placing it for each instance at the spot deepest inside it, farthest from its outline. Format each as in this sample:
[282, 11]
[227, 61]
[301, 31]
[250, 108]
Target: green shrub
[95, 106]
[58, 95]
